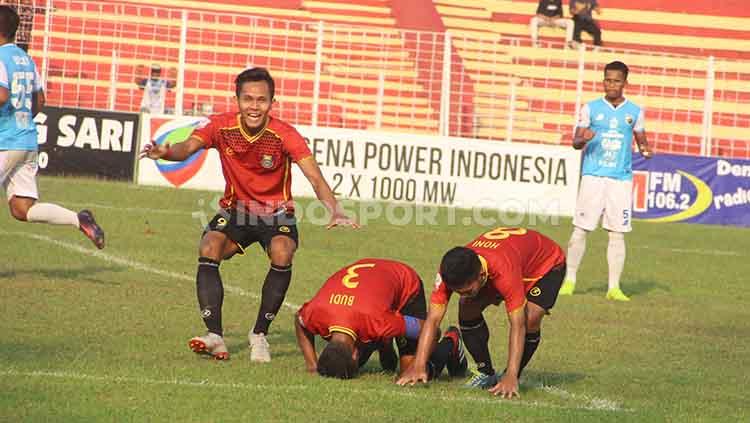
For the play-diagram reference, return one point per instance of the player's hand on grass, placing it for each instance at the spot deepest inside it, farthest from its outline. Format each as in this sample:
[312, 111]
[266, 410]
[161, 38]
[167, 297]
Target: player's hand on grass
[153, 151]
[339, 219]
[507, 387]
[411, 376]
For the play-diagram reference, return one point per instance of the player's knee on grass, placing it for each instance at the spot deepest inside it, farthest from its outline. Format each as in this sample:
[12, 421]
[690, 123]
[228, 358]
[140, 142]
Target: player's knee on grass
[336, 361]
[19, 207]
[281, 250]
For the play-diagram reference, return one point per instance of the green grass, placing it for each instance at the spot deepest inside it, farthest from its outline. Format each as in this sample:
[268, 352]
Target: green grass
[90, 336]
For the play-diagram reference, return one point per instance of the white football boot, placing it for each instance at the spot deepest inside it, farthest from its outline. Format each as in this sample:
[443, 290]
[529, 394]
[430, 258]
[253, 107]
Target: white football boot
[211, 344]
[260, 352]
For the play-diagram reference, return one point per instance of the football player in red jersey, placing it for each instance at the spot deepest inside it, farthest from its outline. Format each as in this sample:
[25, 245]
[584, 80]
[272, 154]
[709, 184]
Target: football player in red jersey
[516, 265]
[362, 307]
[256, 152]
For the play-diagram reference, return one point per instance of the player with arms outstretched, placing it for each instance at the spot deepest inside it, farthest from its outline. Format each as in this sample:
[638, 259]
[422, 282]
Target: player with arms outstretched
[363, 307]
[256, 152]
[519, 266]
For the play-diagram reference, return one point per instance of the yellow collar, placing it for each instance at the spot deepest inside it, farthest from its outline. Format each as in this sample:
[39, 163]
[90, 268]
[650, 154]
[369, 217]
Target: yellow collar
[248, 137]
[484, 274]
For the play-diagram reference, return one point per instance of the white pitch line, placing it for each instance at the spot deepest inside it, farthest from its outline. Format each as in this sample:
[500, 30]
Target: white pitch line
[145, 210]
[595, 404]
[94, 206]
[698, 251]
[134, 264]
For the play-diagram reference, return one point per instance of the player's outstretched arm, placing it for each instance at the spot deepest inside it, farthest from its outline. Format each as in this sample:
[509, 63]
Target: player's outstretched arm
[311, 170]
[176, 152]
[507, 386]
[306, 342]
[426, 344]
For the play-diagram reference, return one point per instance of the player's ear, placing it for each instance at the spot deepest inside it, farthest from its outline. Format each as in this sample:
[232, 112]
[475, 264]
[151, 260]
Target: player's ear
[355, 354]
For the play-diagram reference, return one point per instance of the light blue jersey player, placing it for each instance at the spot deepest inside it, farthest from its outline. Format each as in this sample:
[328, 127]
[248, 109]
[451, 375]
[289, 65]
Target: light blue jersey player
[18, 75]
[21, 97]
[609, 152]
[605, 132]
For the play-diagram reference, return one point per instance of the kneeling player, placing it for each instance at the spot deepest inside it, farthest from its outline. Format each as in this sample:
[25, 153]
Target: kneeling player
[363, 307]
[516, 265]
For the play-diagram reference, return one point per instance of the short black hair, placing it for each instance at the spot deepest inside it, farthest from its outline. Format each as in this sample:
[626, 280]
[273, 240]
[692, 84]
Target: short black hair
[617, 66]
[9, 21]
[460, 265]
[254, 74]
[336, 361]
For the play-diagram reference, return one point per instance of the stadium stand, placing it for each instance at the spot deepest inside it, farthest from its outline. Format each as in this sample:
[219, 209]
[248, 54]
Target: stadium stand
[381, 63]
[492, 37]
[353, 59]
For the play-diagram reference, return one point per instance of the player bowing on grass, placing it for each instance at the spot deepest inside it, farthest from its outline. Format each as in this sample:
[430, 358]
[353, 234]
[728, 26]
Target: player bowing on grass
[519, 266]
[362, 307]
[256, 152]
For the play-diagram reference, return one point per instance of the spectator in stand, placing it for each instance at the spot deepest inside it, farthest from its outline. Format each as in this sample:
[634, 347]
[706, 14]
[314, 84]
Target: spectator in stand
[154, 89]
[549, 13]
[583, 20]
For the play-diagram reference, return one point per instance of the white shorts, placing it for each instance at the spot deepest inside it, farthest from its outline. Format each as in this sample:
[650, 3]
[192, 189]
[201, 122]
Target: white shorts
[18, 173]
[604, 197]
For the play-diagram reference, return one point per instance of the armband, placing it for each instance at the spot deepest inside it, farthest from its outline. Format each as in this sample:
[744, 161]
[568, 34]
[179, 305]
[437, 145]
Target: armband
[412, 327]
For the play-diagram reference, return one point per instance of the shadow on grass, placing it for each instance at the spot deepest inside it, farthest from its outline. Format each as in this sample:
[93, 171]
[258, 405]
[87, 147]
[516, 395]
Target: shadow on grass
[631, 288]
[80, 274]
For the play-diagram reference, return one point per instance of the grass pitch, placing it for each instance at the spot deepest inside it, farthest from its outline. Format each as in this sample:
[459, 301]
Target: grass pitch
[102, 336]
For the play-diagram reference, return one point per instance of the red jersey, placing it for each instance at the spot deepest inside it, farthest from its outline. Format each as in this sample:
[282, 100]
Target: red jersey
[363, 300]
[513, 259]
[257, 169]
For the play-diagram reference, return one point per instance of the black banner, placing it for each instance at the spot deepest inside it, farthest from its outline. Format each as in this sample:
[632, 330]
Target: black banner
[87, 142]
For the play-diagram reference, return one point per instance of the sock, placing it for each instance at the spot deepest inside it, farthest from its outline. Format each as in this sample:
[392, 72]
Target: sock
[615, 258]
[576, 248]
[439, 358]
[274, 290]
[529, 348]
[476, 335]
[210, 294]
[52, 214]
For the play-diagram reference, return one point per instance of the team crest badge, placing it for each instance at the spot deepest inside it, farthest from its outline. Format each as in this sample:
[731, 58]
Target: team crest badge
[267, 161]
[629, 119]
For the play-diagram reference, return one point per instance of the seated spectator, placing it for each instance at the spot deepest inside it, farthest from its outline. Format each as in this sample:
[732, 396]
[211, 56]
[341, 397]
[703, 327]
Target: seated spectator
[154, 90]
[549, 13]
[583, 20]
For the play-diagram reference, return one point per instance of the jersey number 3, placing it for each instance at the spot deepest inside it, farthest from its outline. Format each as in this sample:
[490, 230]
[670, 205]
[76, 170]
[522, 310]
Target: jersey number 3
[350, 279]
